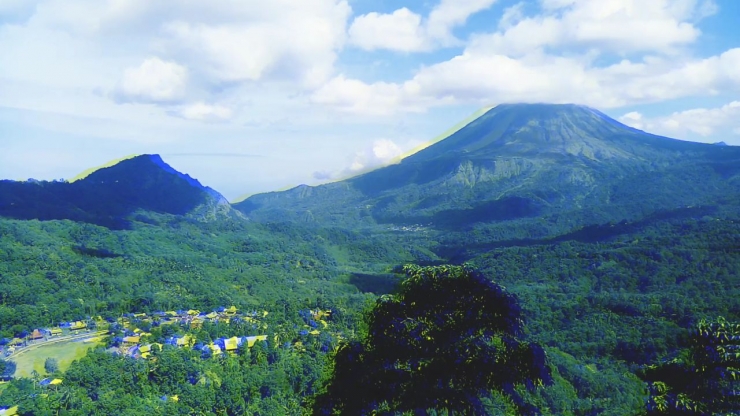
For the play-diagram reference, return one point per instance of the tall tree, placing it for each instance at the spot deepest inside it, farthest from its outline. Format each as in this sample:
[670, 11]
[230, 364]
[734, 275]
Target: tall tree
[447, 339]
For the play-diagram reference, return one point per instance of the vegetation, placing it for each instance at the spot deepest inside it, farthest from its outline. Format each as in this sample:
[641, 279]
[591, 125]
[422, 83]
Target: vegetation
[620, 250]
[703, 378]
[444, 341]
[601, 309]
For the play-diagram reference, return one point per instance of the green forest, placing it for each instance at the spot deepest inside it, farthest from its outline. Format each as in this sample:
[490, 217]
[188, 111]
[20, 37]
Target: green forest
[615, 315]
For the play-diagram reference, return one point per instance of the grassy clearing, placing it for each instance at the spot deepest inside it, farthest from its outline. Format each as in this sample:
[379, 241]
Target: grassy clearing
[64, 352]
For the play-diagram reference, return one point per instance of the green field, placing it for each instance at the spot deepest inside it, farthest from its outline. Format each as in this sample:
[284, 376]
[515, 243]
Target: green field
[64, 352]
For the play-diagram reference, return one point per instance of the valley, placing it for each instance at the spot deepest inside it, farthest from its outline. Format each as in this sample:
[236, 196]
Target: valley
[615, 244]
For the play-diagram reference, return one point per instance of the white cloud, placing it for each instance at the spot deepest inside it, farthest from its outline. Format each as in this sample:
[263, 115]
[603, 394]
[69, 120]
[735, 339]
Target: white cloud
[698, 123]
[512, 15]
[154, 81]
[406, 31]
[534, 58]
[379, 153]
[254, 41]
[482, 78]
[224, 44]
[632, 119]
[399, 31]
[355, 96]
[450, 14]
[205, 112]
[620, 26]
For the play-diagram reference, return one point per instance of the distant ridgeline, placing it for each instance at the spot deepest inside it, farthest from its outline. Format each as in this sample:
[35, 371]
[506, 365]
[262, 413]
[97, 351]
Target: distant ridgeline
[109, 196]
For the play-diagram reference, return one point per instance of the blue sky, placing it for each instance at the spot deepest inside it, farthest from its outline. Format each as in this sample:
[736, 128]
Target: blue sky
[253, 96]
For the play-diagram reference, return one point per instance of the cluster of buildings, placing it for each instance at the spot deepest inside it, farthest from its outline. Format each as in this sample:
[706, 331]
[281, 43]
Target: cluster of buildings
[134, 344]
[131, 344]
[192, 318]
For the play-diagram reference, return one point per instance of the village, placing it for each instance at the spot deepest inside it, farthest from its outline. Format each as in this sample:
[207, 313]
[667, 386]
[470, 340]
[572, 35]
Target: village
[131, 335]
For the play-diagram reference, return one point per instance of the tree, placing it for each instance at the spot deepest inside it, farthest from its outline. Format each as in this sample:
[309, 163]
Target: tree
[703, 379]
[51, 365]
[446, 340]
[7, 369]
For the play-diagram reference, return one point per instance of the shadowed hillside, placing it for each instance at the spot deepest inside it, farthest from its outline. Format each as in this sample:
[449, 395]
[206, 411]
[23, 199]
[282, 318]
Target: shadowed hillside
[109, 196]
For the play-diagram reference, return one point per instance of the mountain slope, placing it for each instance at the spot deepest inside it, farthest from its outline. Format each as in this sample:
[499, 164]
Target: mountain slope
[518, 162]
[109, 196]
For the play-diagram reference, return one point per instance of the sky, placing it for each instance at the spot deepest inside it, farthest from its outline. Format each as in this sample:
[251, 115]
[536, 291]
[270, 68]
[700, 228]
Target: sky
[254, 96]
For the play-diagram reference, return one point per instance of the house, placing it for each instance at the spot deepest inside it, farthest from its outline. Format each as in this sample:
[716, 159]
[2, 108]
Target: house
[186, 341]
[36, 334]
[145, 351]
[318, 314]
[130, 341]
[56, 331]
[231, 344]
[231, 310]
[215, 349]
[77, 325]
[253, 339]
[196, 323]
[9, 411]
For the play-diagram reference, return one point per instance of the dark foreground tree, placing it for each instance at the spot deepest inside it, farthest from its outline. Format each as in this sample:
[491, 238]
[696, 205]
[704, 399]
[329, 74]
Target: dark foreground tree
[446, 340]
[704, 379]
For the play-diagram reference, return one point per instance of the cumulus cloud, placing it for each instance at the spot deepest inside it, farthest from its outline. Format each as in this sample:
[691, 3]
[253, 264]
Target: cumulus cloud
[400, 31]
[619, 26]
[379, 153]
[154, 81]
[406, 31]
[204, 112]
[224, 44]
[532, 59]
[698, 123]
[449, 14]
[354, 96]
[254, 41]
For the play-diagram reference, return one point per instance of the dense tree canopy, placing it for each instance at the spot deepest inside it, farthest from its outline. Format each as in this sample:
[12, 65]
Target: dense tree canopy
[446, 339]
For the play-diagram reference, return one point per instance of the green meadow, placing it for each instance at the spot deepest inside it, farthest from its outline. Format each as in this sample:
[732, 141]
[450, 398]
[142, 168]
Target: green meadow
[64, 352]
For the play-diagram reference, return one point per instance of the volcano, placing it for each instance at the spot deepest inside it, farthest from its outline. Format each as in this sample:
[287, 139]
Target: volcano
[521, 162]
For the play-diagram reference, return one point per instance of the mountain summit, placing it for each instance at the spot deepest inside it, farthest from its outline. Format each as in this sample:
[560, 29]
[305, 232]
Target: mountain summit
[110, 195]
[521, 162]
[526, 130]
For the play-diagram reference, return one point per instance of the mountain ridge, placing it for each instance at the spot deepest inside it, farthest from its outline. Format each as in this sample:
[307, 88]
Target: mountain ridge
[558, 158]
[110, 195]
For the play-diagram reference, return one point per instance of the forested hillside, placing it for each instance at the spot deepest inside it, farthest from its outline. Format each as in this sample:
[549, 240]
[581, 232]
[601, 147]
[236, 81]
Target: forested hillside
[601, 309]
[614, 254]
